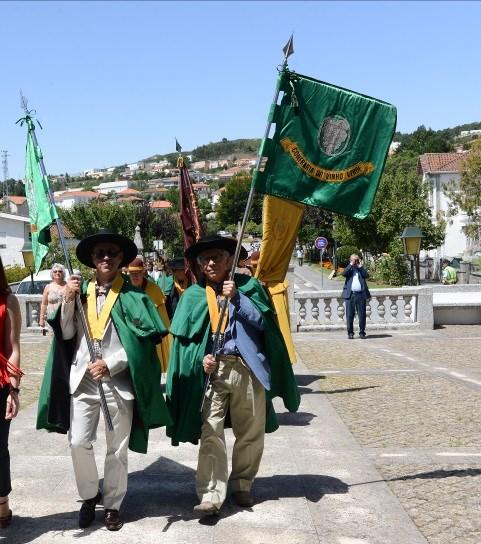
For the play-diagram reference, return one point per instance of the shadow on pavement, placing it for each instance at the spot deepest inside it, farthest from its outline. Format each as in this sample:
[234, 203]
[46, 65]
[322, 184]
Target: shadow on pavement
[296, 419]
[311, 486]
[26, 529]
[166, 490]
[432, 475]
[350, 390]
[307, 379]
[373, 336]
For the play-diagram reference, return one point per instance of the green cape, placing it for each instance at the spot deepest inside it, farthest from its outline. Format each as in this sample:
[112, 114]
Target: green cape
[185, 376]
[166, 283]
[139, 328]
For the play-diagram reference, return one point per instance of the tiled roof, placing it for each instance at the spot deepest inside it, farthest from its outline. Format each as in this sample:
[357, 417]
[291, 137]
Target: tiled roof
[71, 194]
[18, 200]
[160, 204]
[430, 163]
[128, 191]
[54, 232]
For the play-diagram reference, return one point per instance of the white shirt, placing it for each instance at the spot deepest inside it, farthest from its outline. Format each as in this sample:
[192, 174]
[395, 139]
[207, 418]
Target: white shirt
[356, 284]
[113, 353]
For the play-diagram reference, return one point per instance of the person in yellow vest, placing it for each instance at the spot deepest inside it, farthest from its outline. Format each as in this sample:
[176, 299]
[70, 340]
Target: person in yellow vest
[138, 278]
[449, 274]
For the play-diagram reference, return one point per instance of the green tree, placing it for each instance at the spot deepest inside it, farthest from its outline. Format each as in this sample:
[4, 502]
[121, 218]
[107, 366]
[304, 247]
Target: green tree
[172, 195]
[316, 222]
[233, 201]
[205, 207]
[401, 200]
[466, 195]
[424, 140]
[86, 219]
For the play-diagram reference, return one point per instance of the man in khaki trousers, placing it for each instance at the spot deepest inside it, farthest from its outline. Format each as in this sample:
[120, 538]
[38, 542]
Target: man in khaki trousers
[241, 375]
[249, 368]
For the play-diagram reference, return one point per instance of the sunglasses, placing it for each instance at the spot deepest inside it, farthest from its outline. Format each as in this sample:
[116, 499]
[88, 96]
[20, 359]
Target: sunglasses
[101, 253]
[57, 271]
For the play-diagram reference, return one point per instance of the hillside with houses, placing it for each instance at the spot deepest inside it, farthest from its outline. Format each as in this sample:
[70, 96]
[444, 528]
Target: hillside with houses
[151, 185]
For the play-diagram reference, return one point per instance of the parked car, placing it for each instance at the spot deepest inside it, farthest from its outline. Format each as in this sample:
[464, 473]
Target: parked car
[40, 280]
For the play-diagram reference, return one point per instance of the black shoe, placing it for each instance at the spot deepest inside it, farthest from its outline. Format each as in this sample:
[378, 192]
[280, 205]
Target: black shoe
[112, 520]
[87, 511]
[350, 336]
[362, 335]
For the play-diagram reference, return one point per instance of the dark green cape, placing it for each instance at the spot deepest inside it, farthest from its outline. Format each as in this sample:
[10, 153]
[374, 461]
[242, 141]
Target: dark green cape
[185, 376]
[139, 328]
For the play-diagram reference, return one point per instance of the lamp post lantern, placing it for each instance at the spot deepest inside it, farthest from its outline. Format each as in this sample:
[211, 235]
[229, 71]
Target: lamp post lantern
[28, 260]
[411, 238]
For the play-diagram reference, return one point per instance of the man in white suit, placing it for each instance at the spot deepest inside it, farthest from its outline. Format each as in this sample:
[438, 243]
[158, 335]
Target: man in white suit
[108, 305]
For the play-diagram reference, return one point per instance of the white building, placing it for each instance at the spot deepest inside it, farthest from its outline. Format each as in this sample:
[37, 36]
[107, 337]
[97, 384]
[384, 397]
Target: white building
[17, 205]
[69, 199]
[439, 169]
[115, 186]
[14, 232]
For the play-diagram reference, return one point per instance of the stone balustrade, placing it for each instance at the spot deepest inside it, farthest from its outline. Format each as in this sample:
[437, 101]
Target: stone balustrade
[401, 308]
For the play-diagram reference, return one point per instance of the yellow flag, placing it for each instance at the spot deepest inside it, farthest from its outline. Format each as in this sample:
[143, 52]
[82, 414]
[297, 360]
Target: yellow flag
[280, 224]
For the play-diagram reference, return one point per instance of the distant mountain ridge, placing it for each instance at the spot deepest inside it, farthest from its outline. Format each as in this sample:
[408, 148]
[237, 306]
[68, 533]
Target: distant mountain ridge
[224, 149]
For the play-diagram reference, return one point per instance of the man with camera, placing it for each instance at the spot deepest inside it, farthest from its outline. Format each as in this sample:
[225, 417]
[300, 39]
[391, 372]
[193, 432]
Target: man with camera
[355, 292]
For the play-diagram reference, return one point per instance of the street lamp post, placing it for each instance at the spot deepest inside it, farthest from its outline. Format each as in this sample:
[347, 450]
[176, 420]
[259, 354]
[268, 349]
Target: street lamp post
[411, 238]
[28, 260]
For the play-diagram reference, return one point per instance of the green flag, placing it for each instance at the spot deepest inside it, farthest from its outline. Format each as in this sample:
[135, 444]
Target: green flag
[329, 146]
[42, 212]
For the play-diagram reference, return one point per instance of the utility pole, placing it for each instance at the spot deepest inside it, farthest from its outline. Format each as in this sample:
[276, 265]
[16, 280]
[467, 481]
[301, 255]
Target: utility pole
[5, 156]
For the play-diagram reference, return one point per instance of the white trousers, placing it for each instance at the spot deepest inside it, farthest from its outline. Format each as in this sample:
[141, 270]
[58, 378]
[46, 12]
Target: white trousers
[84, 419]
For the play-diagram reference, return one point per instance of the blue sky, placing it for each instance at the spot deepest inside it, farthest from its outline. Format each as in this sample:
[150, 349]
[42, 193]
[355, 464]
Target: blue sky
[115, 82]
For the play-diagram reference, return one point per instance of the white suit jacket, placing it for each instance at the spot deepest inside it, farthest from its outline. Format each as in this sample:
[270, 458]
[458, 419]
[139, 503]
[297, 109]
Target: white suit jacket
[113, 353]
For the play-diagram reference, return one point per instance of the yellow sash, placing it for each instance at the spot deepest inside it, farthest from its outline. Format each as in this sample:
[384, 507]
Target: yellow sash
[98, 323]
[181, 287]
[214, 312]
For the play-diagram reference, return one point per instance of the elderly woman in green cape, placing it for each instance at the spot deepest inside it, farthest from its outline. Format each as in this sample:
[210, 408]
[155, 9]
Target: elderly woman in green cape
[125, 327]
[250, 368]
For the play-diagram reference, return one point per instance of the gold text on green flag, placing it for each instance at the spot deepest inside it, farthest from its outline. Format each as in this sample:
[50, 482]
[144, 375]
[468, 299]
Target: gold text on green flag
[42, 213]
[329, 146]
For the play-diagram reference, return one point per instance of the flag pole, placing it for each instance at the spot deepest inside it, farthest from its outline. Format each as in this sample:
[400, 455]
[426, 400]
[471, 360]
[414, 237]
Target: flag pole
[58, 223]
[287, 50]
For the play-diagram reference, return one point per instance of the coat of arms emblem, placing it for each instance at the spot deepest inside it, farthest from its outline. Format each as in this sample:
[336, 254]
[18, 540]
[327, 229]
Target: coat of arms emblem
[334, 135]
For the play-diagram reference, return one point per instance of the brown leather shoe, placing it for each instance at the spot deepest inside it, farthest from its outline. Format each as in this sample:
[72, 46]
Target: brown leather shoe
[243, 498]
[6, 520]
[112, 520]
[206, 508]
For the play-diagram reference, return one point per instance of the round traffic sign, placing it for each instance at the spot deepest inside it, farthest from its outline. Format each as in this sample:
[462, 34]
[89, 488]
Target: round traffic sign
[321, 242]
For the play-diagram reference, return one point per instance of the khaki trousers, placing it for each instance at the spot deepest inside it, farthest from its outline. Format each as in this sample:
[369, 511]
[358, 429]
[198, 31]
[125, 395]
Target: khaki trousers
[85, 412]
[236, 389]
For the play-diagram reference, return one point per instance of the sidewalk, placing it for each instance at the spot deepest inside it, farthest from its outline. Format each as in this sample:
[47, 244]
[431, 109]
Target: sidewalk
[312, 277]
[385, 449]
[316, 484]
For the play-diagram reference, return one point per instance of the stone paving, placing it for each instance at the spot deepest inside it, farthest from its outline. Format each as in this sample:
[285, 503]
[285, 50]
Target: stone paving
[387, 426]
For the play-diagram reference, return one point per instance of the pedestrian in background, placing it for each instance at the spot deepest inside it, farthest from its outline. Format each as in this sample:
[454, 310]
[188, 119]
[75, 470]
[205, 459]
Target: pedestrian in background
[53, 293]
[300, 255]
[449, 274]
[355, 292]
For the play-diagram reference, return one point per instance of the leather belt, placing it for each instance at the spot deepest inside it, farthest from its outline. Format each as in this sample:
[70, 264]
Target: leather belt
[230, 358]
